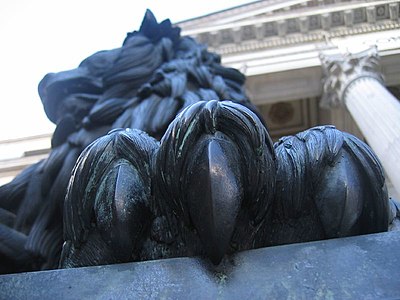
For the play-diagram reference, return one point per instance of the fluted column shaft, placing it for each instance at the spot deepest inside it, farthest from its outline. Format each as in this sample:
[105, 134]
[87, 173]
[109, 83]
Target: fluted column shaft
[377, 113]
[355, 81]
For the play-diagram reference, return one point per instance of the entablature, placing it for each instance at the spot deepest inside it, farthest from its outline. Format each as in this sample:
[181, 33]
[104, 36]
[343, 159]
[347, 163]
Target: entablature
[286, 27]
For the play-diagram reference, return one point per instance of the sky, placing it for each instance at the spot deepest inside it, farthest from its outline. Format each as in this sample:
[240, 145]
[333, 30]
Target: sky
[43, 36]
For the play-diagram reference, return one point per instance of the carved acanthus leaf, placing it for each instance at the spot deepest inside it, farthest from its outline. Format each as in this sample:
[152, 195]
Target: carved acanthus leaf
[340, 71]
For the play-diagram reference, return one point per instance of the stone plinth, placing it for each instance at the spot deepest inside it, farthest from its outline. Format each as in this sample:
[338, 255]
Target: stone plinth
[363, 267]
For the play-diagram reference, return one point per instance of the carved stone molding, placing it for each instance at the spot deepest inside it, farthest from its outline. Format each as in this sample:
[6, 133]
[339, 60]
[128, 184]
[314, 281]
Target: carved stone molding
[340, 71]
[302, 25]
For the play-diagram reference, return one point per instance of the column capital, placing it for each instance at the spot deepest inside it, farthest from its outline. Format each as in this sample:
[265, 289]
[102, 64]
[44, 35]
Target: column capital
[341, 70]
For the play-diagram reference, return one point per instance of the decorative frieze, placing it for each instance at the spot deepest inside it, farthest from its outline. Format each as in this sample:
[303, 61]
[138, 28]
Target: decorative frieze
[359, 15]
[306, 25]
[314, 22]
[270, 29]
[382, 12]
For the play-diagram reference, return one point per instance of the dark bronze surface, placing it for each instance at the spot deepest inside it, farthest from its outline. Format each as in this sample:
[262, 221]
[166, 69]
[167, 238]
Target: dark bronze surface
[149, 162]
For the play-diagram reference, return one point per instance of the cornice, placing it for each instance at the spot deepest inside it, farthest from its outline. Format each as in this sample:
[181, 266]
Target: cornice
[288, 28]
[224, 14]
[258, 9]
[248, 11]
[310, 37]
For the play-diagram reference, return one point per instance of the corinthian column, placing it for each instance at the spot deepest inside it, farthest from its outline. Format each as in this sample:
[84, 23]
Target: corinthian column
[355, 81]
